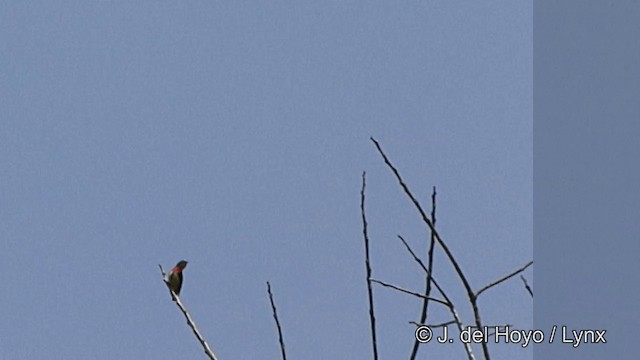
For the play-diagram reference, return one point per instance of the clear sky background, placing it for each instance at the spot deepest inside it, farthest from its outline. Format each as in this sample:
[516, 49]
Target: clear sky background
[234, 136]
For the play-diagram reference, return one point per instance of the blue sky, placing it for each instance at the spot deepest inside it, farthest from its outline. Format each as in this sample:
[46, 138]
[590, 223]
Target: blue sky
[234, 136]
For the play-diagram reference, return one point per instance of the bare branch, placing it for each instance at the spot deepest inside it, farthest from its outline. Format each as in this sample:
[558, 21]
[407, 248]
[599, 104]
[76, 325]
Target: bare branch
[417, 259]
[449, 305]
[466, 345]
[526, 285]
[447, 323]
[504, 278]
[372, 317]
[443, 245]
[275, 317]
[427, 291]
[192, 325]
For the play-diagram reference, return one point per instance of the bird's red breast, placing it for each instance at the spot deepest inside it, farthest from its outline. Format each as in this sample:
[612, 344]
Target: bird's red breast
[174, 278]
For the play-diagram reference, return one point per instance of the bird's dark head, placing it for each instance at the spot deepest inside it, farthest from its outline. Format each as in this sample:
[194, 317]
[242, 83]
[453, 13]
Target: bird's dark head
[182, 264]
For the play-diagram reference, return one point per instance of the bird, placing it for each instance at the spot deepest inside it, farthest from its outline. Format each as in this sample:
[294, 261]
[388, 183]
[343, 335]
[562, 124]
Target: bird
[174, 277]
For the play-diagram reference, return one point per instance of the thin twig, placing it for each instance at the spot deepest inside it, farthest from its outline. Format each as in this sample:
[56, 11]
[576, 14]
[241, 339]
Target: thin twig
[372, 317]
[466, 344]
[446, 323]
[493, 326]
[443, 245]
[275, 317]
[417, 259]
[454, 313]
[443, 302]
[504, 278]
[192, 325]
[526, 285]
[427, 291]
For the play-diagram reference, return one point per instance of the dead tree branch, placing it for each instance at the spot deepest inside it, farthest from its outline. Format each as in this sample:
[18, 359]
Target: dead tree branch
[385, 284]
[443, 245]
[190, 322]
[372, 317]
[427, 291]
[526, 285]
[427, 272]
[444, 324]
[503, 279]
[454, 313]
[275, 317]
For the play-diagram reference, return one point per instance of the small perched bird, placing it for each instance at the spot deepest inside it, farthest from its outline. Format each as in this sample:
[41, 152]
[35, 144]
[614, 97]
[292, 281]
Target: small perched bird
[174, 277]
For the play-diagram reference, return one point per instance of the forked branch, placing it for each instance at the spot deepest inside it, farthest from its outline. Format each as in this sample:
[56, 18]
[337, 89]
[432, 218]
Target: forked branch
[443, 245]
[503, 279]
